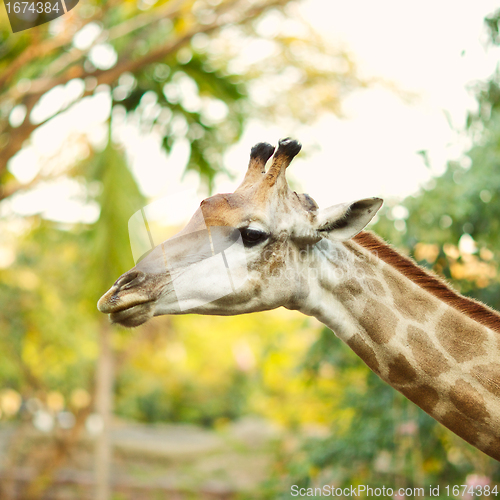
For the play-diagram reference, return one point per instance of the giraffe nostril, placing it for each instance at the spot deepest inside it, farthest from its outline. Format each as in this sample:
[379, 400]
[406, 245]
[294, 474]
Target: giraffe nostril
[130, 279]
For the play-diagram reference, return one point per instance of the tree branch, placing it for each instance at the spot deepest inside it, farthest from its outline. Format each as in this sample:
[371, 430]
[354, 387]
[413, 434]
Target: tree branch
[42, 85]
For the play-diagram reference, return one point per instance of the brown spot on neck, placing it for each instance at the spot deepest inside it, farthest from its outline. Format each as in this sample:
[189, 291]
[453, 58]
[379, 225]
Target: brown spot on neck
[417, 306]
[378, 321]
[493, 449]
[467, 401]
[488, 376]
[461, 337]
[364, 351]
[461, 425]
[349, 289]
[375, 287]
[433, 284]
[400, 371]
[424, 396]
[425, 353]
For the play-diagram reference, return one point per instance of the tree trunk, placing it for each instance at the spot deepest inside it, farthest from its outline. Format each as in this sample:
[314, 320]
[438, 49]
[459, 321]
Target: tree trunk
[103, 407]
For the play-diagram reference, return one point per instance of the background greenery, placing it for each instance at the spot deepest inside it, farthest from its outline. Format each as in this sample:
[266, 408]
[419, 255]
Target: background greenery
[340, 424]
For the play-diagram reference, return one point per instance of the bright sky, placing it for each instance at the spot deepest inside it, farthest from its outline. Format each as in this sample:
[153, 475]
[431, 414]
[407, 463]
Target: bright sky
[433, 50]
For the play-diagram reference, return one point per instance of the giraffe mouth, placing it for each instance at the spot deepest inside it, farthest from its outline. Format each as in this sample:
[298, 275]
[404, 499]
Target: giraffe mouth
[133, 315]
[127, 302]
[115, 301]
[128, 310]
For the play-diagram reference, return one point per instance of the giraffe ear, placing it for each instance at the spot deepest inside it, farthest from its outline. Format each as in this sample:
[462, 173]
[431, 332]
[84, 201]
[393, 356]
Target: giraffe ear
[344, 221]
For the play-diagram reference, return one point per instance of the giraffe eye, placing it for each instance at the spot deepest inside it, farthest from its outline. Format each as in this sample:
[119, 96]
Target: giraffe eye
[253, 236]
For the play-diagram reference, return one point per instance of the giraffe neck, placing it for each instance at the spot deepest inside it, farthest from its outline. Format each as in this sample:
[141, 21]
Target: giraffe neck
[427, 348]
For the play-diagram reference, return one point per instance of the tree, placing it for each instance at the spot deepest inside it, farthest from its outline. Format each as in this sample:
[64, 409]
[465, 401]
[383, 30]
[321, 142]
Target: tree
[159, 51]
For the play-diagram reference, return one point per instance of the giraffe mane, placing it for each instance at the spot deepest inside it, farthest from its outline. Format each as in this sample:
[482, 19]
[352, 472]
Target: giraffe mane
[429, 281]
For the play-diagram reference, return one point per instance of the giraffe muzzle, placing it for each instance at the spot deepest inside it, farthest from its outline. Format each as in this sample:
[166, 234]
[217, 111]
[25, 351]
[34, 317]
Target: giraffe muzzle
[114, 299]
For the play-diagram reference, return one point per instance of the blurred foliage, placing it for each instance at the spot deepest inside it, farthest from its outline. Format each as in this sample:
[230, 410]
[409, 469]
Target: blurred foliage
[118, 197]
[488, 92]
[457, 237]
[41, 350]
[209, 371]
[195, 70]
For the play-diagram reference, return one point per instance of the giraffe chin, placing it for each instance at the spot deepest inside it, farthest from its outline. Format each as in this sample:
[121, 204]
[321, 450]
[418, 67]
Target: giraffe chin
[133, 316]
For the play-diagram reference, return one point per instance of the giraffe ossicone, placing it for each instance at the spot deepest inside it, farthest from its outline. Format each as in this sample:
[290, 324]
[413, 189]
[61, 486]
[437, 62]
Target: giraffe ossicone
[265, 246]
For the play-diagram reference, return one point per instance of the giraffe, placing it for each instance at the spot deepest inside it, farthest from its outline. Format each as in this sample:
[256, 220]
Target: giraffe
[436, 347]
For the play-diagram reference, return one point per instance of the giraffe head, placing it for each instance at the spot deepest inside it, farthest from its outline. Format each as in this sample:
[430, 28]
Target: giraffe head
[241, 252]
